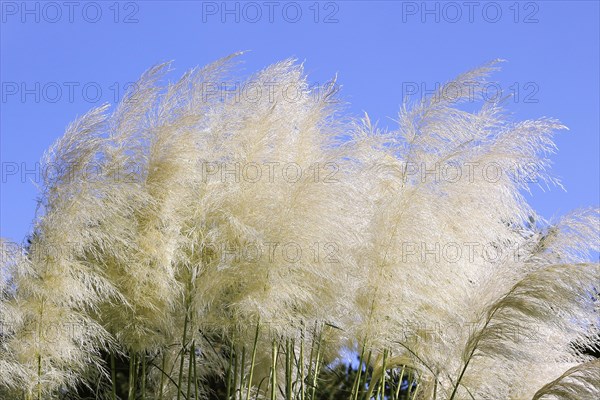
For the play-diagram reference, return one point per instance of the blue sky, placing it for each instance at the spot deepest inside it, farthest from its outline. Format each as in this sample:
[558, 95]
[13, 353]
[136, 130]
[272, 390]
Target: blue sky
[60, 59]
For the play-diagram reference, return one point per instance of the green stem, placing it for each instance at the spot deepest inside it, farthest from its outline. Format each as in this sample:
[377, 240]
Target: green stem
[242, 372]
[288, 369]
[435, 384]
[301, 366]
[274, 371]
[132, 376]
[356, 384]
[195, 376]
[39, 372]
[254, 346]
[317, 368]
[414, 396]
[235, 371]
[144, 376]
[39, 354]
[162, 376]
[183, 346]
[113, 375]
[366, 375]
[189, 377]
[310, 371]
[397, 391]
[385, 354]
[230, 371]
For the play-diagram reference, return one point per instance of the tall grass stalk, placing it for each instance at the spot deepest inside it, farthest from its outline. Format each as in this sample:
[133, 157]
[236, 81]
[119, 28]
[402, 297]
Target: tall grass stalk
[113, 376]
[190, 375]
[396, 392]
[242, 386]
[133, 366]
[274, 354]
[195, 374]
[143, 377]
[162, 375]
[253, 359]
[301, 365]
[231, 371]
[383, 372]
[317, 367]
[289, 359]
[357, 377]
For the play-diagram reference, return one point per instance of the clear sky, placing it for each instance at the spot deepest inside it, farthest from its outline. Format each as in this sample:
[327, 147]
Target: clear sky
[59, 59]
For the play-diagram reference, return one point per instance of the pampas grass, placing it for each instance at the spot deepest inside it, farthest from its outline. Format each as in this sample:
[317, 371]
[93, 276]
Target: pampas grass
[209, 236]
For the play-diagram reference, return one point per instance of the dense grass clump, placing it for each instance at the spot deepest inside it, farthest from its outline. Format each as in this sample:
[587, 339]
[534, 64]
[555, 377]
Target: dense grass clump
[218, 242]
